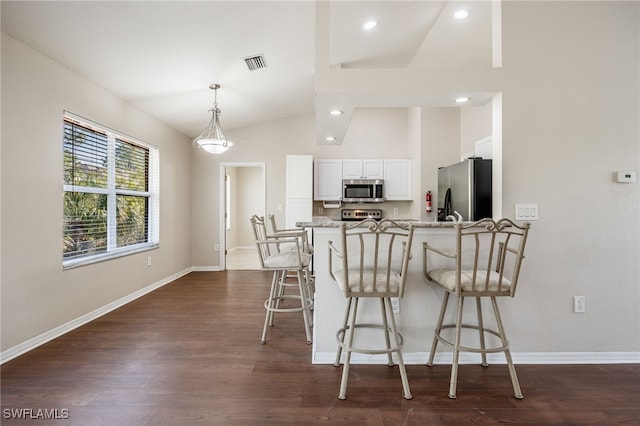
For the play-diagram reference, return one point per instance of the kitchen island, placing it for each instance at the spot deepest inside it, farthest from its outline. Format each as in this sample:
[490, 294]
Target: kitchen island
[418, 309]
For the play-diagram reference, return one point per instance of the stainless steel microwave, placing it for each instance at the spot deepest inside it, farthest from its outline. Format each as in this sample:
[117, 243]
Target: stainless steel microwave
[362, 190]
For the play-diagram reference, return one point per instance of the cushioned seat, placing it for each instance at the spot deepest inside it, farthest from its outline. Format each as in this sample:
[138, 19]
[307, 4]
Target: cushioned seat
[286, 259]
[384, 286]
[447, 278]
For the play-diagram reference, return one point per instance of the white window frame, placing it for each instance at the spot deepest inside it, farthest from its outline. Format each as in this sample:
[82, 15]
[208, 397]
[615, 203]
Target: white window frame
[153, 195]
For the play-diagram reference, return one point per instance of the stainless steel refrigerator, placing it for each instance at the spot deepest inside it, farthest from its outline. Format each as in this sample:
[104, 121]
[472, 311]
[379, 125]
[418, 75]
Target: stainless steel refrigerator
[465, 187]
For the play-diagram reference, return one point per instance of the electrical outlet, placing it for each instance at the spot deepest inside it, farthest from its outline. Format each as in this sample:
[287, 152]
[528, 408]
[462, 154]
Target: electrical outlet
[216, 247]
[579, 304]
[148, 260]
[395, 210]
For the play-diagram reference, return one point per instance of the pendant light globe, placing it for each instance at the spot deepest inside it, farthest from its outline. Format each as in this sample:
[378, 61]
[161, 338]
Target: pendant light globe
[212, 139]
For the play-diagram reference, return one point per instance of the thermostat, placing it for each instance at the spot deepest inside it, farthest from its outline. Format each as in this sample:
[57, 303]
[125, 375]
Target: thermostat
[626, 176]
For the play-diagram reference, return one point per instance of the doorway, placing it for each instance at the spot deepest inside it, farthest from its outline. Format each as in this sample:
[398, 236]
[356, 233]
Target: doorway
[243, 194]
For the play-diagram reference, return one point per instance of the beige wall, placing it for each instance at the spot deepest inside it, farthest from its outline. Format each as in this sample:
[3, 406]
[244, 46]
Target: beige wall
[475, 124]
[570, 111]
[37, 295]
[250, 201]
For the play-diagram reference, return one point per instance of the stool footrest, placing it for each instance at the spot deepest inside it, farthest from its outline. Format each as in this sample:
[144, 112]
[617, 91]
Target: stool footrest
[470, 349]
[276, 308]
[374, 351]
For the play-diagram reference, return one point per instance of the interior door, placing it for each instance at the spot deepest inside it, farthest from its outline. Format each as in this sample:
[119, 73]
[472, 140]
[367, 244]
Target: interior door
[244, 195]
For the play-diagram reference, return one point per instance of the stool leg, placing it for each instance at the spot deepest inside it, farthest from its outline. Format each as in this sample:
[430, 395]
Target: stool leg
[517, 392]
[438, 329]
[311, 284]
[269, 305]
[278, 293]
[344, 333]
[304, 304]
[456, 350]
[483, 346]
[385, 327]
[353, 308]
[308, 295]
[403, 372]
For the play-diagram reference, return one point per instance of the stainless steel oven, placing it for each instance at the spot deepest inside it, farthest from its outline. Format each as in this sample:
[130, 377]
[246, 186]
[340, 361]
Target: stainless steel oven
[362, 191]
[360, 214]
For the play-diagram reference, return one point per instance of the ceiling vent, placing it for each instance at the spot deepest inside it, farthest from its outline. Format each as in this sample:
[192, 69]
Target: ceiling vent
[255, 62]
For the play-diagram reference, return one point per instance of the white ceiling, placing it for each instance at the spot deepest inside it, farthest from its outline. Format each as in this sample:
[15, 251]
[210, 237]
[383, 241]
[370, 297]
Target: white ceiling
[162, 56]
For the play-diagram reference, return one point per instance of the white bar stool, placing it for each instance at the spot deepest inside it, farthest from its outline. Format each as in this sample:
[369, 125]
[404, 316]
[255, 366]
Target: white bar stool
[371, 262]
[274, 258]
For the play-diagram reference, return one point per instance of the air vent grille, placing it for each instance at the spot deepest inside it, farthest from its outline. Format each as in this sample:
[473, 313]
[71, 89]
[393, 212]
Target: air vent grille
[255, 62]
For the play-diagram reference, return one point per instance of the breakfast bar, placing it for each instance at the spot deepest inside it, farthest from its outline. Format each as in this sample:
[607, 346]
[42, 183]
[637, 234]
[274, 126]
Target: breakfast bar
[416, 312]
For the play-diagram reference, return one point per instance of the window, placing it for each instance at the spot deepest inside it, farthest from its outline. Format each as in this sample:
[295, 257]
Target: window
[111, 193]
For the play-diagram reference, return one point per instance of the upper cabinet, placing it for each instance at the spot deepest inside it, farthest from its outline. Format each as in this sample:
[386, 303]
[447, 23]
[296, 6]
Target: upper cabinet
[397, 175]
[327, 182]
[362, 169]
[398, 180]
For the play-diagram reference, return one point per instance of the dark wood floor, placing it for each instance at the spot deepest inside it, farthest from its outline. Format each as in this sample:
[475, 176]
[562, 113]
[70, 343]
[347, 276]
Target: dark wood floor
[188, 354]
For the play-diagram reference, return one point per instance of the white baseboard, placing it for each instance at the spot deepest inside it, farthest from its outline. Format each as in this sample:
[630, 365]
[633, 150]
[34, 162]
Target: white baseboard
[420, 358]
[231, 250]
[47, 336]
[205, 268]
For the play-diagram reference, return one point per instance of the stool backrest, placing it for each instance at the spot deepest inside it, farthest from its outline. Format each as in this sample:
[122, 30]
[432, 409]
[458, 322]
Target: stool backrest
[260, 234]
[489, 255]
[377, 255]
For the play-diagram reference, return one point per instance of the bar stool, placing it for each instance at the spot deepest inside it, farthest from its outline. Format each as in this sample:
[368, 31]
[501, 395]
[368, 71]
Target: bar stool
[281, 262]
[306, 247]
[297, 232]
[371, 262]
[485, 263]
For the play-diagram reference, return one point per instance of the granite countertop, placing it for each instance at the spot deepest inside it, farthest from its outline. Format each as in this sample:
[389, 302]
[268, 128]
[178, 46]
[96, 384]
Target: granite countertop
[325, 222]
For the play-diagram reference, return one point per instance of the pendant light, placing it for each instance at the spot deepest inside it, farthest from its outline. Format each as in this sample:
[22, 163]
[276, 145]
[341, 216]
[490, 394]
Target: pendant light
[213, 139]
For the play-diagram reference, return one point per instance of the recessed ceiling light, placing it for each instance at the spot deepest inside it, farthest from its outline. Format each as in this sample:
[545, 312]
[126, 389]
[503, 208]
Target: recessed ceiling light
[336, 112]
[461, 14]
[331, 138]
[462, 99]
[369, 25]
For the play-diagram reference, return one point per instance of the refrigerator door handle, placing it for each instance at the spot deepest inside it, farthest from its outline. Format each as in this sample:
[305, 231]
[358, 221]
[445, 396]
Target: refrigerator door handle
[447, 203]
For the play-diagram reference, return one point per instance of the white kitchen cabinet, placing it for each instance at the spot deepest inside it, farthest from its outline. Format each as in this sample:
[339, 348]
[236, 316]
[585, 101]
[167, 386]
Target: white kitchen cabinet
[299, 189]
[327, 180]
[298, 210]
[362, 169]
[398, 180]
[299, 176]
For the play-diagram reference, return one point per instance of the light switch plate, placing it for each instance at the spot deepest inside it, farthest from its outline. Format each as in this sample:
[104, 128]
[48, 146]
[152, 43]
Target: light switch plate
[526, 212]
